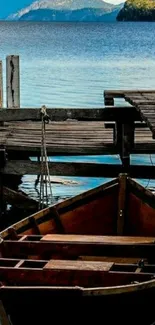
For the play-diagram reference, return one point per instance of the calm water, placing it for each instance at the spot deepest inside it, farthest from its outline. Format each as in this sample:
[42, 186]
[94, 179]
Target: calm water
[69, 65]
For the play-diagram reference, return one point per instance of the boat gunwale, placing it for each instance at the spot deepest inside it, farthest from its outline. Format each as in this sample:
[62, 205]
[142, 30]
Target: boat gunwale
[98, 291]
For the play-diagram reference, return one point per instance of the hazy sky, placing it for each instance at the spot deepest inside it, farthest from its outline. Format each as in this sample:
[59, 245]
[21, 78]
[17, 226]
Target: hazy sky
[11, 6]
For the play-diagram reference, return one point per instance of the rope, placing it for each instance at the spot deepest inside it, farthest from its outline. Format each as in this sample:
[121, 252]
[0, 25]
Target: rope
[45, 175]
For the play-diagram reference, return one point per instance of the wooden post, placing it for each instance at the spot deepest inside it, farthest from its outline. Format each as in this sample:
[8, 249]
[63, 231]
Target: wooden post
[108, 100]
[2, 164]
[121, 204]
[12, 81]
[124, 140]
[1, 84]
[127, 143]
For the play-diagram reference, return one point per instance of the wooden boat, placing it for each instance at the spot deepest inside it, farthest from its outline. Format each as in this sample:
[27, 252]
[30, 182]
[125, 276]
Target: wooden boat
[92, 256]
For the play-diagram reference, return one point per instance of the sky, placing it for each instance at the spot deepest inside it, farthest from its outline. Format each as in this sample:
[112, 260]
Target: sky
[8, 7]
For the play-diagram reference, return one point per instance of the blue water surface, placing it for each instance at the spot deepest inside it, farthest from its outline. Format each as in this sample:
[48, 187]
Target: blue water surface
[71, 64]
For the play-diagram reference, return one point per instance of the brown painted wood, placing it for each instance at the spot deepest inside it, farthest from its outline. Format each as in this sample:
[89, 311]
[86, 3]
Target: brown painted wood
[142, 221]
[71, 250]
[97, 239]
[12, 233]
[91, 218]
[121, 204]
[33, 224]
[57, 219]
[78, 265]
[79, 204]
[114, 259]
[69, 277]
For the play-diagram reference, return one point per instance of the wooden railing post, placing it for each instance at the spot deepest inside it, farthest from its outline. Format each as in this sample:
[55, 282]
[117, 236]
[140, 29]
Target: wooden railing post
[12, 81]
[1, 84]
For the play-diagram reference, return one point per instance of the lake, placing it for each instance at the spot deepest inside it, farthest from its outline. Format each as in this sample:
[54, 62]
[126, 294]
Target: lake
[71, 64]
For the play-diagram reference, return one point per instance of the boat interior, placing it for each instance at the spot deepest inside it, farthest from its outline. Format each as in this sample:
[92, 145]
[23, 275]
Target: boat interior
[102, 238]
[76, 260]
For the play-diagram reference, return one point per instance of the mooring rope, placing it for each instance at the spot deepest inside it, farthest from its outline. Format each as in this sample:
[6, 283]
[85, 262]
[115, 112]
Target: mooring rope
[45, 175]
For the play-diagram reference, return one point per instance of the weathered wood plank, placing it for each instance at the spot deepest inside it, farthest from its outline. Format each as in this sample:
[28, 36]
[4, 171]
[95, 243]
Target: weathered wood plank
[111, 125]
[60, 141]
[135, 101]
[109, 95]
[147, 115]
[62, 114]
[22, 167]
[78, 265]
[120, 93]
[107, 149]
[144, 148]
[19, 199]
[97, 239]
[13, 81]
[104, 149]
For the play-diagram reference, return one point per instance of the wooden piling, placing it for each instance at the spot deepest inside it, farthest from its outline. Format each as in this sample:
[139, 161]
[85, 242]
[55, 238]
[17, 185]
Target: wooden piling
[127, 143]
[1, 84]
[12, 81]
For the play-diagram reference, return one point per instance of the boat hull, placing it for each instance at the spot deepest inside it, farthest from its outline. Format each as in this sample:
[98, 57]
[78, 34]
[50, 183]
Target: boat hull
[44, 306]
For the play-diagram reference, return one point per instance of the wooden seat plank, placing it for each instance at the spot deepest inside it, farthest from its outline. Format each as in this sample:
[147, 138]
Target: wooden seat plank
[114, 259]
[78, 265]
[98, 239]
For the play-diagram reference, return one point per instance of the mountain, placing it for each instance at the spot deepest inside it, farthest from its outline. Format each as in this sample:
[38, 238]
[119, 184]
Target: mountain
[81, 15]
[68, 10]
[137, 10]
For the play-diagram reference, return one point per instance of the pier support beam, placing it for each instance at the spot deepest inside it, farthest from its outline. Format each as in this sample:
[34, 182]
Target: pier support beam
[124, 140]
[12, 81]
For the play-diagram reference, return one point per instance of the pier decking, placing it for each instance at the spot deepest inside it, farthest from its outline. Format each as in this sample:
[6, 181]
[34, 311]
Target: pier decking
[109, 130]
[69, 138]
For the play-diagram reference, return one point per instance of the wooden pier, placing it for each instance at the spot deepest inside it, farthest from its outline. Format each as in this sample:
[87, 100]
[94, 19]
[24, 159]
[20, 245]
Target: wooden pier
[109, 130]
[105, 131]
